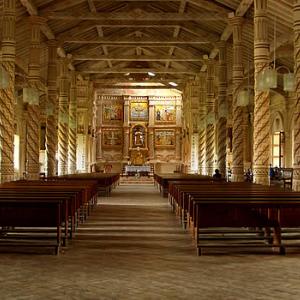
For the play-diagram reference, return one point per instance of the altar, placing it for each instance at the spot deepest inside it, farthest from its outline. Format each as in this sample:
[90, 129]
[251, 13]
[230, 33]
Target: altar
[137, 170]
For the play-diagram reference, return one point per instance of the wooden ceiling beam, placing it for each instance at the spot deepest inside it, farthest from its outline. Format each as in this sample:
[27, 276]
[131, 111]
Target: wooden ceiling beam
[46, 30]
[210, 5]
[134, 16]
[60, 5]
[93, 9]
[136, 41]
[182, 6]
[136, 58]
[139, 71]
[227, 32]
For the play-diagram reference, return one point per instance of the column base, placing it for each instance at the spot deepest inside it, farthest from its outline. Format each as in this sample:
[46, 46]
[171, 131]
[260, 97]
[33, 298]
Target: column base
[261, 175]
[296, 184]
[237, 174]
[209, 171]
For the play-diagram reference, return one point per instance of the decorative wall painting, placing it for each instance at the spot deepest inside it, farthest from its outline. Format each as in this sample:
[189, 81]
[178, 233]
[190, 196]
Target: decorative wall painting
[139, 110]
[112, 138]
[138, 136]
[165, 138]
[112, 112]
[165, 114]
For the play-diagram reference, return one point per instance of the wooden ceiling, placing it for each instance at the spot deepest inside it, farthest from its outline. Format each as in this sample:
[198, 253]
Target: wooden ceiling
[118, 41]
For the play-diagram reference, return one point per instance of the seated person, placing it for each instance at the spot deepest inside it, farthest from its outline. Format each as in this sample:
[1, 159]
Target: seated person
[272, 173]
[217, 174]
[249, 176]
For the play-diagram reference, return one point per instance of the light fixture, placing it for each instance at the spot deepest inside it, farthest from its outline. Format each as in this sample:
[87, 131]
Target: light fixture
[126, 74]
[210, 118]
[289, 82]
[223, 110]
[243, 97]
[151, 74]
[49, 110]
[31, 96]
[4, 78]
[72, 123]
[267, 79]
[173, 83]
[63, 118]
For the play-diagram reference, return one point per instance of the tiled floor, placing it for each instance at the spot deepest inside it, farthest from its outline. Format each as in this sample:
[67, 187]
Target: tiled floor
[132, 247]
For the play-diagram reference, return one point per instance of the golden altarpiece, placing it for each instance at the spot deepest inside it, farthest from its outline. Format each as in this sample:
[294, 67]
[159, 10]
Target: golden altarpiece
[138, 130]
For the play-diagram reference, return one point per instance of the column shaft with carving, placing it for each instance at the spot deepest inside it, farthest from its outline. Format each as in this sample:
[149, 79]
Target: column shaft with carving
[126, 130]
[178, 149]
[222, 103]
[51, 132]
[99, 129]
[72, 125]
[261, 132]
[7, 96]
[33, 121]
[202, 122]
[296, 176]
[237, 114]
[210, 127]
[63, 108]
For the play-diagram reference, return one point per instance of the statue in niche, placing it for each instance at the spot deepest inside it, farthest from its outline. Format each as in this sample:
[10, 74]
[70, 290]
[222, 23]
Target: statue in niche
[139, 136]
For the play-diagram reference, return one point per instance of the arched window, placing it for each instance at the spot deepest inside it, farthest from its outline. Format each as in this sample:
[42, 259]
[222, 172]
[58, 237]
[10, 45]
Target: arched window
[278, 140]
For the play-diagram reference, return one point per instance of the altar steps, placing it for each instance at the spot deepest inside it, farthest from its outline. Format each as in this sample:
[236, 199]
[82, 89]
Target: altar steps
[136, 180]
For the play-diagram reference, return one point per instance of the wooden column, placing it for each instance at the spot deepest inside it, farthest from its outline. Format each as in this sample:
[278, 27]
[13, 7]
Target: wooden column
[222, 109]
[99, 129]
[51, 132]
[33, 121]
[202, 122]
[210, 127]
[72, 125]
[296, 150]
[261, 131]
[7, 96]
[237, 114]
[126, 130]
[63, 108]
[178, 148]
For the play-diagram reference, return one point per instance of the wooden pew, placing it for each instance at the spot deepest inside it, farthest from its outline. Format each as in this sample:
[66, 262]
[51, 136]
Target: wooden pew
[105, 182]
[73, 195]
[31, 212]
[163, 180]
[264, 212]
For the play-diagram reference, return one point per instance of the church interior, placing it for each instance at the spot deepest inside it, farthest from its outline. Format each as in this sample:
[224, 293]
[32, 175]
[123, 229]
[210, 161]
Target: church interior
[149, 149]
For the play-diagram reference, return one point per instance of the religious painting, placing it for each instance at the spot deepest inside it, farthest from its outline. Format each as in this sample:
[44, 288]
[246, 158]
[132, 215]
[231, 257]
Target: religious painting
[80, 123]
[139, 110]
[165, 114]
[164, 138]
[138, 137]
[112, 112]
[112, 138]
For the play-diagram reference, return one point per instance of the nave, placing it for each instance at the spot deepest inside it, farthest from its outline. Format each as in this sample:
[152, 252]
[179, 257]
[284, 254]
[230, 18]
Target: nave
[132, 247]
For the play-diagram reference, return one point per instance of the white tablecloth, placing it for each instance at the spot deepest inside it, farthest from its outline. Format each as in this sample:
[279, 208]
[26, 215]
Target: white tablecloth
[137, 169]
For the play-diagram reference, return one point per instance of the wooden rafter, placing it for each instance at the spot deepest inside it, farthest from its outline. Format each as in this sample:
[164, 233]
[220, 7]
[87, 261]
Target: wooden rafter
[136, 16]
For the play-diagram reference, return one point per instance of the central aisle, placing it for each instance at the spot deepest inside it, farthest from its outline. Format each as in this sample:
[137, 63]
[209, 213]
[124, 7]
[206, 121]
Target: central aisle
[134, 220]
[132, 247]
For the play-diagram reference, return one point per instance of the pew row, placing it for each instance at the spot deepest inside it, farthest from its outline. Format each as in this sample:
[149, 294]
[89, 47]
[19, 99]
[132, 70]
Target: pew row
[162, 180]
[105, 182]
[28, 225]
[221, 214]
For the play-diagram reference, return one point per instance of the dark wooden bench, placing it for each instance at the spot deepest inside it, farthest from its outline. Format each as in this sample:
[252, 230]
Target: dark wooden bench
[31, 212]
[191, 199]
[74, 197]
[162, 180]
